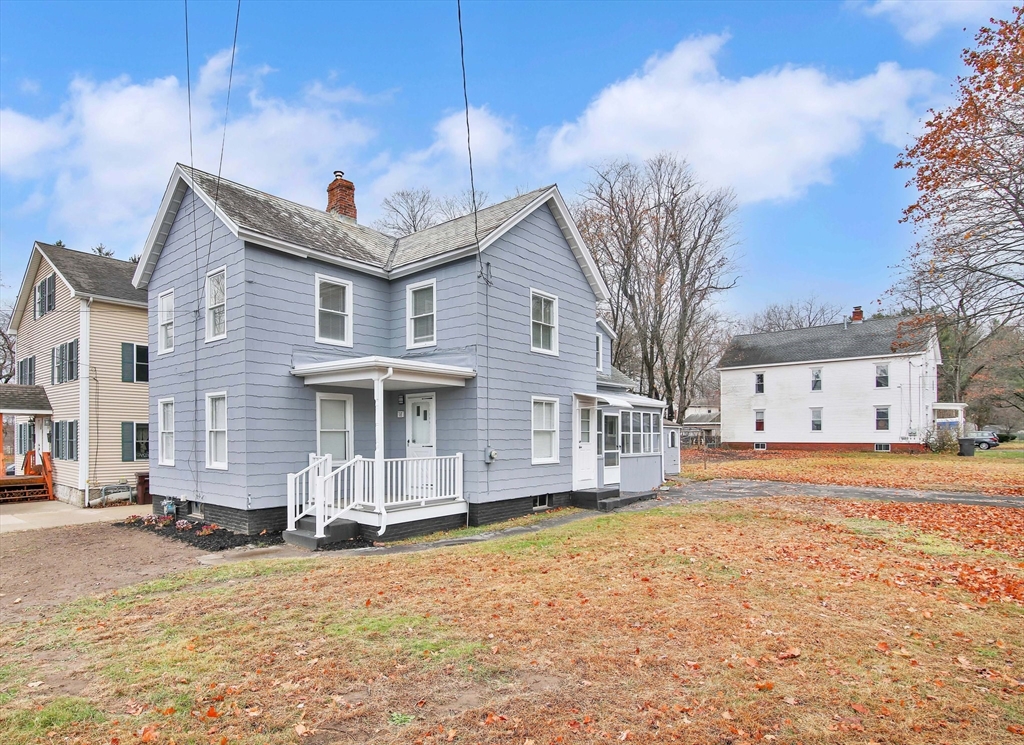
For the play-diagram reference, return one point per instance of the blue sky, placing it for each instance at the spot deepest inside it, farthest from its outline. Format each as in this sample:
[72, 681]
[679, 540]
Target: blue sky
[801, 108]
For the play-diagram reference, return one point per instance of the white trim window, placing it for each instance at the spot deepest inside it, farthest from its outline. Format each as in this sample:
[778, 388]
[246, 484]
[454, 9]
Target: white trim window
[165, 444]
[217, 430]
[333, 311]
[545, 430]
[543, 322]
[217, 304]
[759, 420]
[600, 352]
[815, 378]
[420, 316]
[165, 322]
[641, 432]
[334, 426]
[759, 382]
[815, 420]
[882, 418]
[881, 376]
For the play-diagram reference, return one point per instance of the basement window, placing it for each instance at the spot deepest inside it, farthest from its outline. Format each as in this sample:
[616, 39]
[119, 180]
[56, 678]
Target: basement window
[760, 446]
[882, 447]
[542, 502]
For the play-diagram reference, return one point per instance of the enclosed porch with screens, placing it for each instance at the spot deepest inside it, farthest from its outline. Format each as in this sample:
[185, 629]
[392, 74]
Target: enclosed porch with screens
[394, 404]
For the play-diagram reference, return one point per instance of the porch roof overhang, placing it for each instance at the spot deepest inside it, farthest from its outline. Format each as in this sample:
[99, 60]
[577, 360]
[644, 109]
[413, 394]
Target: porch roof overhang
[948, 406]
[396, 374]
[607, 399]
[24, 400]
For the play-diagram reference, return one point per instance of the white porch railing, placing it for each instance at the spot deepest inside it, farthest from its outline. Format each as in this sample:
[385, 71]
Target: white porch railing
[416, 480]
[330, 492]
[304, 487]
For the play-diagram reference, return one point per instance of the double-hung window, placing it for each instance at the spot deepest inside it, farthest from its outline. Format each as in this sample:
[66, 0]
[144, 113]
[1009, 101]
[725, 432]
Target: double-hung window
[27, 371]
[816, 379]
[165, 321]
[333, 311]
[134, 441]
[216, 304]
[881, 376]
[759, 421]
[543, 322]
[165, 424]
[334, 426]
[421, 328]
[545, 430]
[64, 362]
[46, 295]
[217, 430]
[600, 344]
[758, 382]
[815, 420]
[641, 432]
[882, 418]
[134, 363]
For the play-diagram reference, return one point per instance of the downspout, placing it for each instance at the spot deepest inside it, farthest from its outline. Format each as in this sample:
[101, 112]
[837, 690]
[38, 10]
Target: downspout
[378, 454]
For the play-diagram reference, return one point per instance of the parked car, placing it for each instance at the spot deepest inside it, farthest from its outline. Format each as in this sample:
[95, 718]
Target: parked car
[984, 440]
[10, 470]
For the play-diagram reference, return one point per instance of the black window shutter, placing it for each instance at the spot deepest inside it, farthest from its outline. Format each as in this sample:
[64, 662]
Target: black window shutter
[51, 292]
[127, 441]
[128, 365]
[32, 370]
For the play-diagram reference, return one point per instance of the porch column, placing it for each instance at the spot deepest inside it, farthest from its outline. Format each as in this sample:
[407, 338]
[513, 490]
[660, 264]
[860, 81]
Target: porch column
[378, 427]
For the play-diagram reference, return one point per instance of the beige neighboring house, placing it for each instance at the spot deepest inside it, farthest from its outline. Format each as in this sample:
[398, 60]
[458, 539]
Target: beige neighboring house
[82, 345]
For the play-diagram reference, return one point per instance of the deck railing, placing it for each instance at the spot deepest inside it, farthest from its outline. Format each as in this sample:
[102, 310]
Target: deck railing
[417, 480]
[304, 488]
[346, 487]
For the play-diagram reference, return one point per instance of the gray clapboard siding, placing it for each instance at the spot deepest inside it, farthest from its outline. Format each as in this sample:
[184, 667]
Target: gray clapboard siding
[640, 472]
[195, 367]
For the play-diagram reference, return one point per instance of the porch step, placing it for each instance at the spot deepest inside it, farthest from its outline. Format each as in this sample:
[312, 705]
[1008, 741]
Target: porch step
[606, 505]
[589, 499]
[304, 536]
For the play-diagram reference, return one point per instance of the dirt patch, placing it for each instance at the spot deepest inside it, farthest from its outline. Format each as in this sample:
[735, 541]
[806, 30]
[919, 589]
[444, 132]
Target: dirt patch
[205, 536]
[44, 568]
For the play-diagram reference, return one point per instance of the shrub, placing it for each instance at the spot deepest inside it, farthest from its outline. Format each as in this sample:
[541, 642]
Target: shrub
[1006, 438]
[943, 441]
[183, 525]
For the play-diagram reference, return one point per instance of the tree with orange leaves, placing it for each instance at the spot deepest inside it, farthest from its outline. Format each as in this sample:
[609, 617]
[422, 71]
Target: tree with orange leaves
[969, 173]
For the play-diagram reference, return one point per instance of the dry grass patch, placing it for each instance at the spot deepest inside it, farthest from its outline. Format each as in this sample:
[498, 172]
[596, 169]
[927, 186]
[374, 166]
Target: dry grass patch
[925, 471]
[709, 623]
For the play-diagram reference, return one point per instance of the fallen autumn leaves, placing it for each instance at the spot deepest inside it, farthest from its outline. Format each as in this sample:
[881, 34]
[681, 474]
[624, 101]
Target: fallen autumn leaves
[763, 621]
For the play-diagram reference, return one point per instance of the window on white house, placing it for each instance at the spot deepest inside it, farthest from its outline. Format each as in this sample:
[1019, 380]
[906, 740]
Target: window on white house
[641, 432]
[165, 445]
[420, 316]
[216, 304]
[165, 321]
[334, 426]
[544, 322]
[758, 382]
[134, 363]
[882, 447]
[217, 430]
[815, 420]
[882, 418]
[881, 376]
[27, 371]
[46, 295]
[333, 311]
[760, 446]
[816, 379]
[759, 421]
[545, 430]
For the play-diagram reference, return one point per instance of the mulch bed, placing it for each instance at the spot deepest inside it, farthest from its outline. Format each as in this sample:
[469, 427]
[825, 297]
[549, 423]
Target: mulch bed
[205, 536]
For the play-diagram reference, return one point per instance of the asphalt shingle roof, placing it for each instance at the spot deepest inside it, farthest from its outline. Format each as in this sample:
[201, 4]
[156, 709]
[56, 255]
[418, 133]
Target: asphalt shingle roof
[330, 233]
[693, 419]
[90, 274]
[15, 398]
[615, 379]
[872, 338]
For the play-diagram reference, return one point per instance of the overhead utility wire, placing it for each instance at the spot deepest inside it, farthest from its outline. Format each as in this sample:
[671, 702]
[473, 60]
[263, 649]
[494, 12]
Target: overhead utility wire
[469, 146]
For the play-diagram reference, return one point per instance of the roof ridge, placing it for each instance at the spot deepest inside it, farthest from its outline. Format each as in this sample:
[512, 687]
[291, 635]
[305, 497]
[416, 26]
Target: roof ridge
[89, 254]
[479, 210]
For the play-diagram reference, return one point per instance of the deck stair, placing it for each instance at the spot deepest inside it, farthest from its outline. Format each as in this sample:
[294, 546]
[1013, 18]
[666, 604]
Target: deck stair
[23, 489]
[304, 535]
[613, 503]
[607, 498]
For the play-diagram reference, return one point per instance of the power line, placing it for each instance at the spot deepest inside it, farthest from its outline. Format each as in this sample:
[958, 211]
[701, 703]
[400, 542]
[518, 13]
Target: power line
[469, 146]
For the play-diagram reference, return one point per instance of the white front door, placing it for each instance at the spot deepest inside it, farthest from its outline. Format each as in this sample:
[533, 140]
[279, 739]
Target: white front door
[584, 461]
[611, 448]
[420, 428]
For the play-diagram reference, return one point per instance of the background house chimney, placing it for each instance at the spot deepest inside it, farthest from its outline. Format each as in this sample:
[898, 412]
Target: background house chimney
[341, 196]
[857, 317]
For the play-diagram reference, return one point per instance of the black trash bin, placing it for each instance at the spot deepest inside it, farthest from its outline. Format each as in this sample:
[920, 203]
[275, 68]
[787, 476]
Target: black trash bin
[966, 446]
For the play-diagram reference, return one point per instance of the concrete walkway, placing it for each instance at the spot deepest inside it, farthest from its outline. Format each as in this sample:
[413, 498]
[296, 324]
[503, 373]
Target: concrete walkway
[703, 491]
[35, 515]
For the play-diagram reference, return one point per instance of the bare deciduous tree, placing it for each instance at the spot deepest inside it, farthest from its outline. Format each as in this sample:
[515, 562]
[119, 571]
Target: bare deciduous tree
[7, 360]
[796, 314]
[663, 243]
[410, 210]
[458, 205]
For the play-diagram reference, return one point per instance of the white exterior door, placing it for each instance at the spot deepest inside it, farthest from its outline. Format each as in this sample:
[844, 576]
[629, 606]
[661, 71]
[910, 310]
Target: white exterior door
[611, 448]
[420, 427]
[584, 461]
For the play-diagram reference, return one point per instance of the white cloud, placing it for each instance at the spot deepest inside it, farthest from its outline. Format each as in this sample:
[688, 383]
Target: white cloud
[103, 160]
[768, 136]
[919, 21]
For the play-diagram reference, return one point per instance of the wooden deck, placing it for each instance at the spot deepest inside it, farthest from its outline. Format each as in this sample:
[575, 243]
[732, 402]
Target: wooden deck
[23, 488]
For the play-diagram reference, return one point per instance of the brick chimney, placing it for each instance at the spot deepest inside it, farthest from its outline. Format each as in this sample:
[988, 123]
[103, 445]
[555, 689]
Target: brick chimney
[341, 196]
[857, 317]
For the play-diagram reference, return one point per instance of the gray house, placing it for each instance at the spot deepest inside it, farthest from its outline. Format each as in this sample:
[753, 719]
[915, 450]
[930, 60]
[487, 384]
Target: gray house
[307, 372]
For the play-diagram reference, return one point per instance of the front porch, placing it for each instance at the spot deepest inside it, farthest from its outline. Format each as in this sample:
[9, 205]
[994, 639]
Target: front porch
[338, 487]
